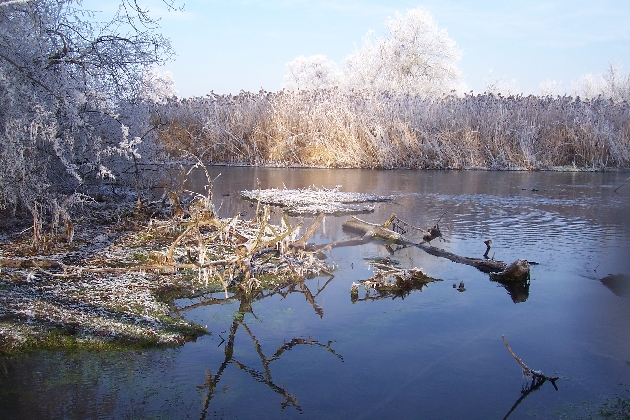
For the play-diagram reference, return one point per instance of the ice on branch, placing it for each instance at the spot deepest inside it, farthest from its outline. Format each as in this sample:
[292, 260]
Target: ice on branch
[157, 87]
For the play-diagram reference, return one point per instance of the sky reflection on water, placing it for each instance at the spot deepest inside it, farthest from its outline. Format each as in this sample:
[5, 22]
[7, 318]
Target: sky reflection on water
[437, 353]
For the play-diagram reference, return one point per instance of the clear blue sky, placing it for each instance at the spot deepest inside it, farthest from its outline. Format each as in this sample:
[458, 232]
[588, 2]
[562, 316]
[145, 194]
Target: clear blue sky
[233, 45]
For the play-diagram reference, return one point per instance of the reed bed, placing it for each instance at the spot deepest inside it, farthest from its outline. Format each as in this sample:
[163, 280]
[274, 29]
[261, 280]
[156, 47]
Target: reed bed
[362, 129]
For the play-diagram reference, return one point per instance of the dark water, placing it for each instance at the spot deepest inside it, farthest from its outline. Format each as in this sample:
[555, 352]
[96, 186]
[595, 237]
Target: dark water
[437, 353]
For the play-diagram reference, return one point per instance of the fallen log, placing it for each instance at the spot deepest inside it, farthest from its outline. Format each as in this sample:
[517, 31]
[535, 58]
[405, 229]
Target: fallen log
[371, 230]
[517, 271]
[481, 264]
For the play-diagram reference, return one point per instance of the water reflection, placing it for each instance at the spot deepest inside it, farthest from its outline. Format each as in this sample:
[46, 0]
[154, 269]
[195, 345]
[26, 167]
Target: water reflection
[531, 385]
[517, 290]
[54, 385]
[239, 322]
[435, 354]
[619, 284]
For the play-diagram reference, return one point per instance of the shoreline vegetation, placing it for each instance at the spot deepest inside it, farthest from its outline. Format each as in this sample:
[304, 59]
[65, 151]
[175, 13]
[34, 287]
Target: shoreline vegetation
[85, 116]
[96, 290]
[337, 128]
[86, 294]
[114, 283]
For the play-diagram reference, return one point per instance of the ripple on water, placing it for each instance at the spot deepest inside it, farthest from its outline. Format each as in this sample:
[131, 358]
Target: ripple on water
[544, 227]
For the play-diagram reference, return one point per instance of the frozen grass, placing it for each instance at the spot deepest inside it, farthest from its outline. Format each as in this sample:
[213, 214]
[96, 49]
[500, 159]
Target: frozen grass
[335, 128]
[114, 285]
[110, 309]
[88, 309]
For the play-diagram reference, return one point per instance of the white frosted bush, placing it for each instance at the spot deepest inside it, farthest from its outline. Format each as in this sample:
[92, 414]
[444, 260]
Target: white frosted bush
[415, 58]
[313, 72]
[614, 84]
[70, 93]
[589, 86]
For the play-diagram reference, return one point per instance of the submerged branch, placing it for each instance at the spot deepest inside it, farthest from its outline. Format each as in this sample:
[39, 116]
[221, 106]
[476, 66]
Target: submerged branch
[526, 370]
[537, 379]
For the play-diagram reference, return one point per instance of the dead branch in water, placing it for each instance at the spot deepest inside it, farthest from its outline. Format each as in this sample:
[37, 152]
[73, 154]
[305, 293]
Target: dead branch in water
[622, 184]
[517, 271]
[537, 379]
[301, 243]
[526, 370]
[389, 281]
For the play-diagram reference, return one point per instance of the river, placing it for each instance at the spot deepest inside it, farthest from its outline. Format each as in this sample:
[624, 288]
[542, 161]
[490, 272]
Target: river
[436, 353]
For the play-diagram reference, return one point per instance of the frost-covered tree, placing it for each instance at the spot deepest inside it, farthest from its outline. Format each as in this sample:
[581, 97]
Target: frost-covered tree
[313, 72]
[157, 87]
[416, 57]
[588, 86]
[66, 75]
[617, 84]
[612, 85]
[549, 87]
[503, 87]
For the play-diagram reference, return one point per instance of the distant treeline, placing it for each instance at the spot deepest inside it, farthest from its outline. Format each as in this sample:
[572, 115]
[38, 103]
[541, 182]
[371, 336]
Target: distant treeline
[337, 128]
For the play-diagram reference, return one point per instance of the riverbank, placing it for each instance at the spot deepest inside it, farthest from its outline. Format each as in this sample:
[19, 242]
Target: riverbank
[89, 293]
[110, 278]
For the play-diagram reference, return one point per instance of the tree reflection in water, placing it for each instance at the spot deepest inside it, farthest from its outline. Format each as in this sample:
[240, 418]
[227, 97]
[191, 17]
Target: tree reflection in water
[238, 323]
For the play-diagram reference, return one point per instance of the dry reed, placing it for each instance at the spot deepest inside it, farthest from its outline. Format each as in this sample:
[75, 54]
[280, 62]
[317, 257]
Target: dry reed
[362, 129]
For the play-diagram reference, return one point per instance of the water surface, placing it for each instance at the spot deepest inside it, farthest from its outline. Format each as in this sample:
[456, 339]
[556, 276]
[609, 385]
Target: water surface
[437, 353]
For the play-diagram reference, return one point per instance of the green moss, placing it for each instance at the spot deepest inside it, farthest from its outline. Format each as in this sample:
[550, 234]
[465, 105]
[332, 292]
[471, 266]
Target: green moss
[67, 340]
[169, 292]
[140, 257]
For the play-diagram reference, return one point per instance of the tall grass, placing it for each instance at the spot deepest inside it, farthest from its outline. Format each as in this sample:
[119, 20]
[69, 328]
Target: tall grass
[361, 129]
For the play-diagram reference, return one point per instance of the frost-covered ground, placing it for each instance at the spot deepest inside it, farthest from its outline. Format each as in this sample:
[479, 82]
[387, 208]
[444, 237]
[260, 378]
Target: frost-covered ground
[115, 283]
[55, 307]
[89, 309]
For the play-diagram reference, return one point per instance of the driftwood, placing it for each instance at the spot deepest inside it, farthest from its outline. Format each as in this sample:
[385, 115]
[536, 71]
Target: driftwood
[517, 271]
[371, 230]
[481, 264]
[389, 281]
[526, 370]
